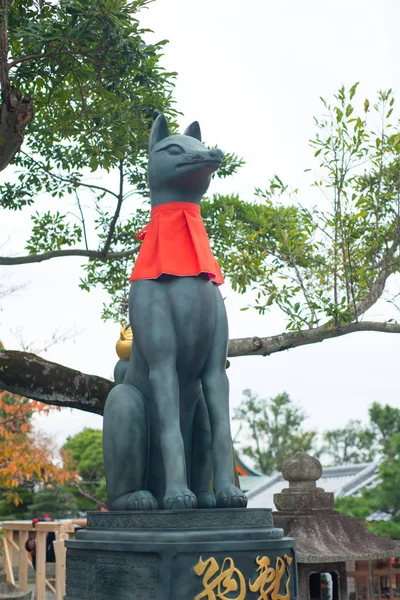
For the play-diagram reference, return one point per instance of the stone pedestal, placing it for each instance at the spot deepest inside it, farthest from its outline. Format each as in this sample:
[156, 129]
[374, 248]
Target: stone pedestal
[221, 554]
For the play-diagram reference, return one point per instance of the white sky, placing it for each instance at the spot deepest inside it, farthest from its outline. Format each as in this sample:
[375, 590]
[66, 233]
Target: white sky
[251, 73]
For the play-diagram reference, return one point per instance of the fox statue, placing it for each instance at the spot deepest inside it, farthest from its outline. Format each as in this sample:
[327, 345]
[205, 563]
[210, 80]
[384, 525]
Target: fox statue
[166, 438]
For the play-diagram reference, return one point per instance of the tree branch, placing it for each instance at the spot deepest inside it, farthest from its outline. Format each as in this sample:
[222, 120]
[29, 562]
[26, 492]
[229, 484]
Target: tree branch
[390, 266]
[85, 494]
[78, 52]
[74, 182]
[35, 258]
[28, 375]
[285, 341]
[117, 210]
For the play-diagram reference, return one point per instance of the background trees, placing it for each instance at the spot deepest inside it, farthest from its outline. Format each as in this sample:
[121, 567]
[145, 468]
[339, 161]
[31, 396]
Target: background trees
[274, 430]
[84, 455]
[380, 505]
[32, 482]
[27, 460]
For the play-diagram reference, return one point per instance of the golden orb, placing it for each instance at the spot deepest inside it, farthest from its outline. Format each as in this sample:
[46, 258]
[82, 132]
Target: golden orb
[124, 344]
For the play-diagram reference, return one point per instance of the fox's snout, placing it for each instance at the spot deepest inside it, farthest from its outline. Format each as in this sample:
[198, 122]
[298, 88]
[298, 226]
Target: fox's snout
[215, 155]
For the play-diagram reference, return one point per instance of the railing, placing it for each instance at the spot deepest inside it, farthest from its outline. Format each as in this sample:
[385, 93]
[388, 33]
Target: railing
[22, 530]
[374, 580]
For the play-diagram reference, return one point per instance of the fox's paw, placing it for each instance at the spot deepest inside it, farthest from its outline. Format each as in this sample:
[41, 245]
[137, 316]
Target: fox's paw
[140, 500]
[179, 496]
[229, 496]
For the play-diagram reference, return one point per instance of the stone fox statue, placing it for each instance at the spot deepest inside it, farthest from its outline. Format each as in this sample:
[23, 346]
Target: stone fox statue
[167, 439]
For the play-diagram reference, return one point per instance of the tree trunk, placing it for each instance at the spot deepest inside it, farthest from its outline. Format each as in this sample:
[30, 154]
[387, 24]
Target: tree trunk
[15, 113]
[16, 110]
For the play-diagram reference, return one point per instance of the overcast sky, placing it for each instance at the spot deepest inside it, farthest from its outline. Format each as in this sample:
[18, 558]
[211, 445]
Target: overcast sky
[251, 73]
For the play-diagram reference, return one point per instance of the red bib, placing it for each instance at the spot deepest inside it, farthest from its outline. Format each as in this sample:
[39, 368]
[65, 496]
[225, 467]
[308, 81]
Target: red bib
[175, 243]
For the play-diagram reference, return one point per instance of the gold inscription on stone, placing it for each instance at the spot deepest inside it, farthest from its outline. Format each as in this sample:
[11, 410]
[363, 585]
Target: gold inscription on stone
[268, 582]
[220, 581]
[227, 580]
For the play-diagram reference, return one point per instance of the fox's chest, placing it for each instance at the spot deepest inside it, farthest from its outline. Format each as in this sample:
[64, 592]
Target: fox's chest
[177, 314]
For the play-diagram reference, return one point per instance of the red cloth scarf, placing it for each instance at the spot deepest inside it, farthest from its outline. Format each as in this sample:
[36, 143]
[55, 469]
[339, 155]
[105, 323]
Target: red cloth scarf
[175, 243]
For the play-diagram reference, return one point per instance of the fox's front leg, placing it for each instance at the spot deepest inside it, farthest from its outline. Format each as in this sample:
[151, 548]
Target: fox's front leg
[165, 390]
[216, 392]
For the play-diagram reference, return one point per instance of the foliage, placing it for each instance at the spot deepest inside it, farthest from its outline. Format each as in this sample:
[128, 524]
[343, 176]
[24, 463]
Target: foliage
[9, 511]
[274, 427]
[356, 444]
[324, 265]
[55, 500]
[353, 237]
[97, 87]
[84, 454]
[350, 445]
[25, 457]
[379, 506]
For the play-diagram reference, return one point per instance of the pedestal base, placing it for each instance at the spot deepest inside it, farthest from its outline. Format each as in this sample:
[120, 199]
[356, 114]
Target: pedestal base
[221, 554]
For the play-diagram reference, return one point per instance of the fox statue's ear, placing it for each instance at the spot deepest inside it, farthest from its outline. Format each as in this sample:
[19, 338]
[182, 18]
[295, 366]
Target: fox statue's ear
[194, 130]
[159, 131]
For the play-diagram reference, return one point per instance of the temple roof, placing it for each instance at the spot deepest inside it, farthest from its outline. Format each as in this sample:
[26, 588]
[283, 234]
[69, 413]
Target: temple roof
[345, 480]
[249, 478]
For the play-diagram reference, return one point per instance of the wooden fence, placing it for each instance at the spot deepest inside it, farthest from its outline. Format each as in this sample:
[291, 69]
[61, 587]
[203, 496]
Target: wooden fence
[16, 534]
[374, 580]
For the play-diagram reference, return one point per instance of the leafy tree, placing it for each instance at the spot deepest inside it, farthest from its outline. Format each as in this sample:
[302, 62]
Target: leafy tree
[385, 422]
[379, 506]
[94, 84]
[25, 458]
[84, 454]
[55, 500]
[352, 444]
[9, 511]
[357, 444]
[274, 427]
[97, 88]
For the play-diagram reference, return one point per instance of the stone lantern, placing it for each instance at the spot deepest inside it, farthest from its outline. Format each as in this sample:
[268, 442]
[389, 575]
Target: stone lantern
[325, 539]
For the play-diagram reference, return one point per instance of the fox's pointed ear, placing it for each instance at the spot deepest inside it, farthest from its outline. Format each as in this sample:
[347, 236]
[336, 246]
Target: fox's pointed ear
[159, 131]
[194, 130]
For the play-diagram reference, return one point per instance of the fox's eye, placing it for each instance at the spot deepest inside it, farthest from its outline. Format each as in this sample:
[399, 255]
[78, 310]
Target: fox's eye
[174, 149]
